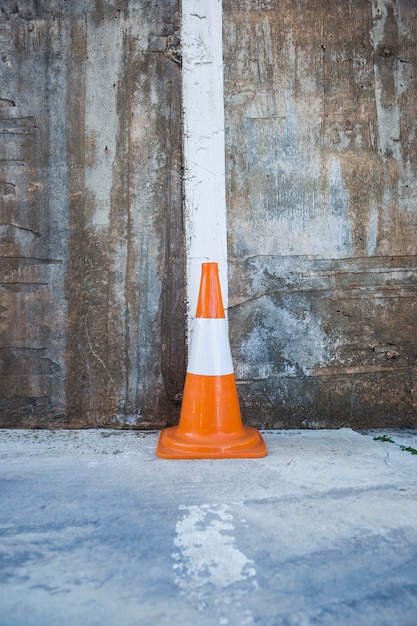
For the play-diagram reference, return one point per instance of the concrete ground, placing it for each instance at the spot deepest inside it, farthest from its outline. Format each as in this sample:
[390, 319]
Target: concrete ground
[95, 530]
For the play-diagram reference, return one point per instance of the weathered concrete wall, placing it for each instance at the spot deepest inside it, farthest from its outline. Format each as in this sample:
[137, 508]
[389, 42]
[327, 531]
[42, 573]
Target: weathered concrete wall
[321, 115]
[91, 237]
[321, 119]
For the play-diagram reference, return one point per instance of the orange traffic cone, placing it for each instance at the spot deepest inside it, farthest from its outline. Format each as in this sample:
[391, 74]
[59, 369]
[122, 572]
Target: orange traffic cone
[210, 424]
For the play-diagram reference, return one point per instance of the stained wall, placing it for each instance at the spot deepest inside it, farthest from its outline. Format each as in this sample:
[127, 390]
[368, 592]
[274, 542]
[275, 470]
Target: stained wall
[321, 155]
[91, 236]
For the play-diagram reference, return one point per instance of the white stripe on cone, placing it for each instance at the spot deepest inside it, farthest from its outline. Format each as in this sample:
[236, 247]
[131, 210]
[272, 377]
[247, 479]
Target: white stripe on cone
[210, 348]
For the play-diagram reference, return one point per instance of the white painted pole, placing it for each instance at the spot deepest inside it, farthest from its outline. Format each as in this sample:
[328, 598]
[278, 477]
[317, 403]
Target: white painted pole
[204, 151]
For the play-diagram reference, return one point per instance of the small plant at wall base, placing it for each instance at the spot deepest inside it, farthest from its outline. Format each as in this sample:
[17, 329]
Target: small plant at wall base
[384, 438]
[409, 449]
[389, 440]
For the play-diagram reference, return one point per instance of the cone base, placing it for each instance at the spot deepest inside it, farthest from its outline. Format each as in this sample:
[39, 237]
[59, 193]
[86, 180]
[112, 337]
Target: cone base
[175, 444]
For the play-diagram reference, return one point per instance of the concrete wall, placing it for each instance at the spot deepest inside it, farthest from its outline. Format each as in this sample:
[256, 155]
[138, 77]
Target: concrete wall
[91, 237]
[321, 156]
[321, 110]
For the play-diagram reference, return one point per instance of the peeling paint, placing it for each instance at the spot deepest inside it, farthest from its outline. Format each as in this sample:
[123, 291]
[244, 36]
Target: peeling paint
[203, 118]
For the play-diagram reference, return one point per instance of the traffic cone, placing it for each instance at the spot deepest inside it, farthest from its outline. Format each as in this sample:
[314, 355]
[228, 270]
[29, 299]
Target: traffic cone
[210, 424]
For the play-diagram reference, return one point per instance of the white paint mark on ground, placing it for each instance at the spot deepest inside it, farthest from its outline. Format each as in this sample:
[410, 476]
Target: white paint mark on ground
[207, 553]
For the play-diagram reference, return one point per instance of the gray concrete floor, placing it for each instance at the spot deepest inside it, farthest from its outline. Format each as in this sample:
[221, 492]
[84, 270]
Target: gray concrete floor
[95, 530]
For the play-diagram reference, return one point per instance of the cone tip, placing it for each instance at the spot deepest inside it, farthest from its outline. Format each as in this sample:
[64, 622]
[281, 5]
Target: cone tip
[210, 302]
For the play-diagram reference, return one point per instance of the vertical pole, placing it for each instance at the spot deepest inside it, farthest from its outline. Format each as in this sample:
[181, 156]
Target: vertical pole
[204, 151]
